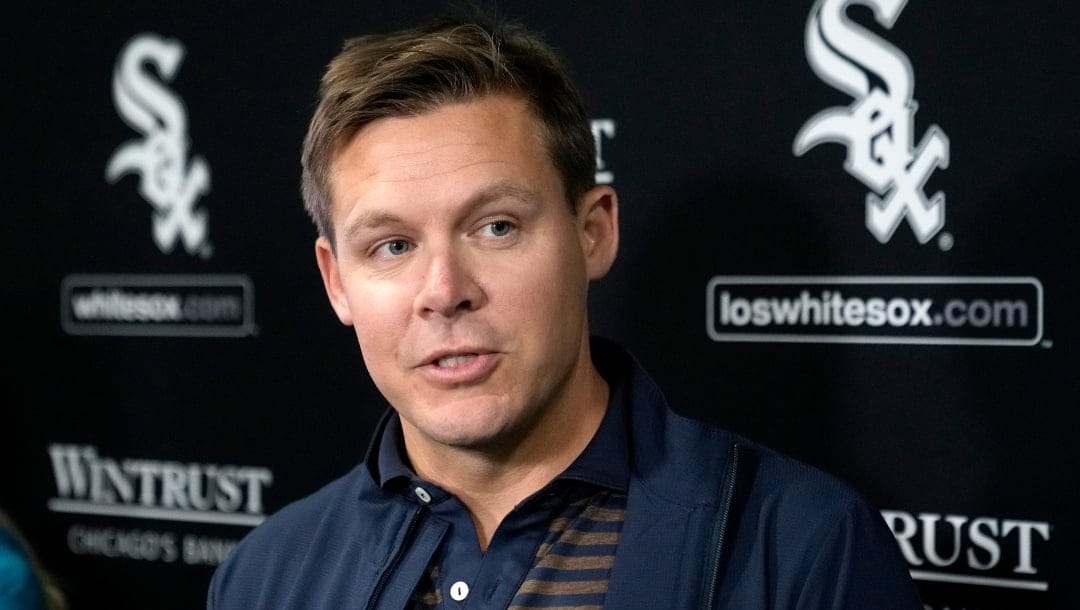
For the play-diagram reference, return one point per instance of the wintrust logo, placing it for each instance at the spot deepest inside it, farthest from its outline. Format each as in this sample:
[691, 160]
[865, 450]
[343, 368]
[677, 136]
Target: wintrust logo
[129, 493]
[92, 484]
[971, 550]
[168, 180]
[877, 127]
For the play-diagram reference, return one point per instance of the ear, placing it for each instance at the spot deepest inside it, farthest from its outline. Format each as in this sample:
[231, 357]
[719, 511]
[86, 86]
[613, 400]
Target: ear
[598, 220]
[331, 277]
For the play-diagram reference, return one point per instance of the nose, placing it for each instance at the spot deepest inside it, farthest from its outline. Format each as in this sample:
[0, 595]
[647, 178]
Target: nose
[449, 287]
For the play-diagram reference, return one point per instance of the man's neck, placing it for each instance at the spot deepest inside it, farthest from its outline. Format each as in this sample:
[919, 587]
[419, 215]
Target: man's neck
[491, 483]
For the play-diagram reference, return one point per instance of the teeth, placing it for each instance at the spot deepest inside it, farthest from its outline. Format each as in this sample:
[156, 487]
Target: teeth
[454, 360]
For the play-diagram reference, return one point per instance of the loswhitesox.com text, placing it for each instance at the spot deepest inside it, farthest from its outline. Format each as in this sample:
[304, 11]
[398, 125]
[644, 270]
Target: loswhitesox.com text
[875, 309]
[834, 309]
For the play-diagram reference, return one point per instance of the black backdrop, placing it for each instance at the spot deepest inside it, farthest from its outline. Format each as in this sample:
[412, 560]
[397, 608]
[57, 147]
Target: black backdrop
[164, 395]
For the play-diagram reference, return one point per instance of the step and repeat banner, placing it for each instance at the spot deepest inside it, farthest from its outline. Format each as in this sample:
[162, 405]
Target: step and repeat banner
[848, 230]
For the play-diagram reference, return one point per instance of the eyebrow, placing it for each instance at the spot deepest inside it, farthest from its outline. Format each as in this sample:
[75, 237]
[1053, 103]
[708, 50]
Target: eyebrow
[502, 189]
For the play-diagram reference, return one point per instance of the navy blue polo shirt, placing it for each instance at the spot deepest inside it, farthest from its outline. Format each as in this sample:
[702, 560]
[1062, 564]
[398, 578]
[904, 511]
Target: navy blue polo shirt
[530, 543]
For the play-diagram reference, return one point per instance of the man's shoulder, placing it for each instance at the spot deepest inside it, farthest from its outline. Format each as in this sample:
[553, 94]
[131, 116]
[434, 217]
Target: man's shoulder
[796, 492]
[321, 508]
[716, 452]
[688, 459]
[784, 524]
[781, 504]
[293, 539]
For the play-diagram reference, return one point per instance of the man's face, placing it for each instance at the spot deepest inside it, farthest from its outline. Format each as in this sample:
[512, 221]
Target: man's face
[463, 270]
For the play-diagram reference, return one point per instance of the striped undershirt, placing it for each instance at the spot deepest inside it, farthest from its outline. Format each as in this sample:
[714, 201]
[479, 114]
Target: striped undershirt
[572, 567]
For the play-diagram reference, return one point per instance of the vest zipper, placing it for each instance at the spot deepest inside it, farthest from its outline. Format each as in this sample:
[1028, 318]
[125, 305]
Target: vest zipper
[720, 529]
[389, 569]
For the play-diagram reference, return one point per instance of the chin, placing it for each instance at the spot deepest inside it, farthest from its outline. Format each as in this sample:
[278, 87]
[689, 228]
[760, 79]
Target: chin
[481, 435]
[477, 426]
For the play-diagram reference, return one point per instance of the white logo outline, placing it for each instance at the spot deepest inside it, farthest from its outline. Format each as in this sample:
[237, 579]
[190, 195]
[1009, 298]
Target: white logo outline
[167, 180]
[878, 126]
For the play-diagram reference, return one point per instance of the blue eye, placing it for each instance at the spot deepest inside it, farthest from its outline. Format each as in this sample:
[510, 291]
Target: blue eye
[501, 228]
[396, 247]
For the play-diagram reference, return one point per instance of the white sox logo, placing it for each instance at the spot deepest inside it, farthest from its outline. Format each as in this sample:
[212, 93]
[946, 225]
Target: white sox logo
[877, 127]
[167, 181]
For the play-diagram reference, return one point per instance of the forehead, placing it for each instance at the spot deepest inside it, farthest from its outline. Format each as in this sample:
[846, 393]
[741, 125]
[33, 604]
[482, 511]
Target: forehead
[495, 133]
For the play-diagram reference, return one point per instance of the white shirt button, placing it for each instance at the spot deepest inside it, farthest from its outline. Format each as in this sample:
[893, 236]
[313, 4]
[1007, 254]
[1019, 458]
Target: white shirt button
[422, 493]
[459, 591]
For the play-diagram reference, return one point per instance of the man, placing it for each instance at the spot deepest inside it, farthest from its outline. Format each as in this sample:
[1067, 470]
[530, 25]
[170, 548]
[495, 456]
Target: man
[449, 171]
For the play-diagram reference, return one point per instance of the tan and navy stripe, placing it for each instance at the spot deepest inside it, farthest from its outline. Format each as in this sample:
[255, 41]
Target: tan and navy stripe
[573, 564]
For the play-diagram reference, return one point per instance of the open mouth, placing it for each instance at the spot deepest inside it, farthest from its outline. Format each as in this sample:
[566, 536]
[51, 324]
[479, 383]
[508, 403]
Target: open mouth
[452, 361]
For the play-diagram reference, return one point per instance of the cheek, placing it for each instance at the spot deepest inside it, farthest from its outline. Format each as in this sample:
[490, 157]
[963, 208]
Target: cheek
[551, 287]
[380, 312]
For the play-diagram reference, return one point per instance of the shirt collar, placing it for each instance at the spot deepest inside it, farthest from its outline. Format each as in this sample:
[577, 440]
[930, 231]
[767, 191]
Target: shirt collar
[606, 459]
[604, 462]
[393, 461]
